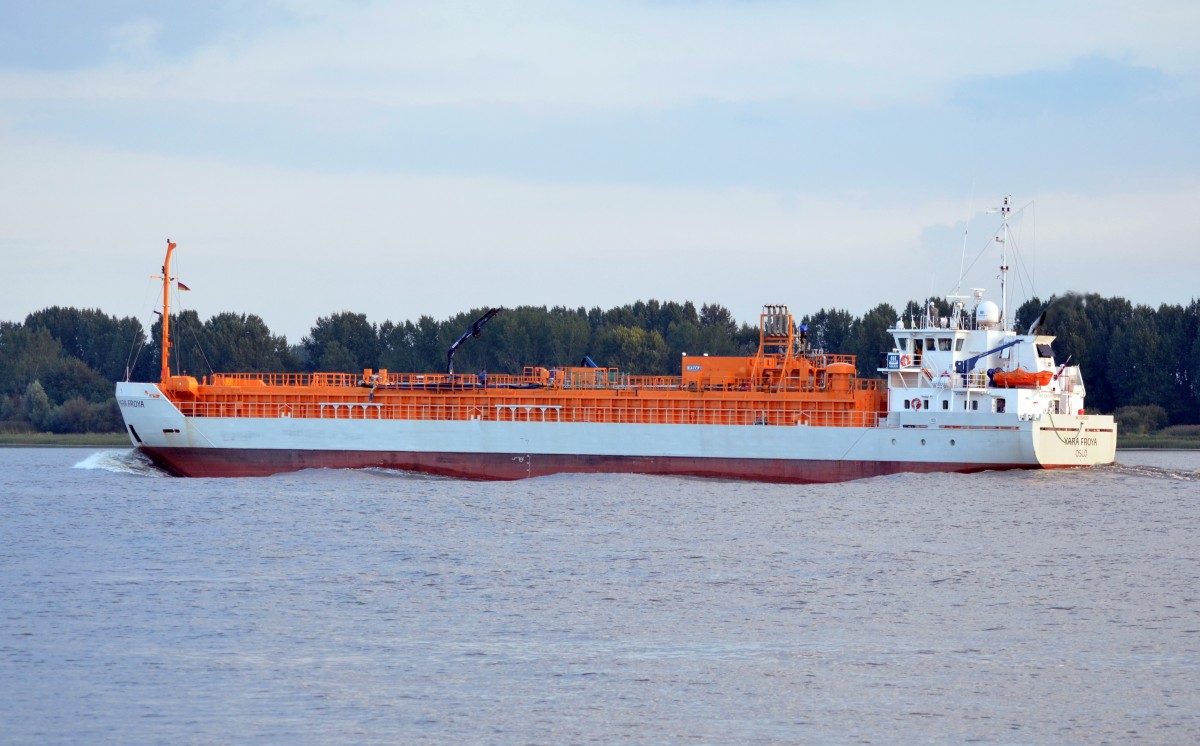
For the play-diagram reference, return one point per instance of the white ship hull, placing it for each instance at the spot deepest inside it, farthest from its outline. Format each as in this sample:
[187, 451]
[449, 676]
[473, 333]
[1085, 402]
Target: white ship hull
[485, 449]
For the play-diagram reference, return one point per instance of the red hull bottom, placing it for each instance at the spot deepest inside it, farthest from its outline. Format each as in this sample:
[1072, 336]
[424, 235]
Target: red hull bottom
[238, 462]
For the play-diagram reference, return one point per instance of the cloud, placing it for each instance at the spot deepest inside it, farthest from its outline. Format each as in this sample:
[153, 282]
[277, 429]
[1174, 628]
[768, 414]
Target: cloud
[293, 245]
[134, 40]
[68, 36]
[410, 158]
[721, 94]
[87, 227]
[311, 56]
[1088, 86]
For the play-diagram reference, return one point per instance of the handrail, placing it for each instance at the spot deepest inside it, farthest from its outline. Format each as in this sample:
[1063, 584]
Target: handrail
[554, 378]
[616, 411]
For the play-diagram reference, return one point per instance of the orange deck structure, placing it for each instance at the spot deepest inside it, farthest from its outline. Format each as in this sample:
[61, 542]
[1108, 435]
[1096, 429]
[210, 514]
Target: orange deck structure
[785, 383]
[774, 387]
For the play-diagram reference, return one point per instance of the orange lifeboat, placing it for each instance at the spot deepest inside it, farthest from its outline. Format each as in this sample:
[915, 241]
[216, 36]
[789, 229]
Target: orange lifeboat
[1021, 378]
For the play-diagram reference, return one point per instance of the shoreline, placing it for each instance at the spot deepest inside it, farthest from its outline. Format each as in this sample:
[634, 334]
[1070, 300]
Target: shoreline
[1152, 443]
[1151, 449]
[73, 440]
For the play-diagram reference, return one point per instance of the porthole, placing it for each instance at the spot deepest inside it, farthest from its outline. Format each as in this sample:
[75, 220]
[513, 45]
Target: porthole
[922, 441]
[893, 441]
[952, 441]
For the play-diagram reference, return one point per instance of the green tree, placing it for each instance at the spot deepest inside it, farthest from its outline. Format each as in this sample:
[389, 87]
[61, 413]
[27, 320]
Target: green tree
[1131, 357]
[684, 336]
[1177, 326]
[914, 311]
[357, 337]
[188, 349]
[104, 343]
[37, 410]
[573, 333]
[1141, 420]
[718, 316]
[25, 355]
[632, 349]
[1083, 325]
[1189, 346]
[870, 338]
[1027, 313]
[68, 378]
[337, 359]
[830, 330]
[409, 347]
[241, 342]
[1139, 369]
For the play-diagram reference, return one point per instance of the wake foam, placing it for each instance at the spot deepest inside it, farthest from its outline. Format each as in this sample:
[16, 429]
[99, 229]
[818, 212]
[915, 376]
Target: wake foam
[379, 471]
[129, 461]
[1155, 472]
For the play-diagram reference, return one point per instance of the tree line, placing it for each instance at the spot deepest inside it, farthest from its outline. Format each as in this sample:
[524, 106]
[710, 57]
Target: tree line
[57, 367]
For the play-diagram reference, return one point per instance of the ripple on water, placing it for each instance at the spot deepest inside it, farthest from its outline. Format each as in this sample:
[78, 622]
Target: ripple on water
[383, 606]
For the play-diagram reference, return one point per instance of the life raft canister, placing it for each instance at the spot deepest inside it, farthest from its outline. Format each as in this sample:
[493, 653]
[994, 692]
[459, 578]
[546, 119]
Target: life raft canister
[916, 403]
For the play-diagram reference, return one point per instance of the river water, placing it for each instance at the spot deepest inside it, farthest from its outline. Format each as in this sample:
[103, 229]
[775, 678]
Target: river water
[334, 606]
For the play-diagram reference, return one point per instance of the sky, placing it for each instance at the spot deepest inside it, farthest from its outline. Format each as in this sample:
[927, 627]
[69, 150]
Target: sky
[401, 159]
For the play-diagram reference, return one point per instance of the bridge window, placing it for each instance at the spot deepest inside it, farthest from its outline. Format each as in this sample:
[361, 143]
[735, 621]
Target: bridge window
[944, 344]
[958, 343]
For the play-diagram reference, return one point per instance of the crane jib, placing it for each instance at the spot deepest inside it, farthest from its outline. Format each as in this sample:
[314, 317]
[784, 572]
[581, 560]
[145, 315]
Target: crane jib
[963, 367]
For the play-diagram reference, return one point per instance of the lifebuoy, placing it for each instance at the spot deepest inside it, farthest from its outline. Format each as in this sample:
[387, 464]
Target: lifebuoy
[916, 403]
[904, 361]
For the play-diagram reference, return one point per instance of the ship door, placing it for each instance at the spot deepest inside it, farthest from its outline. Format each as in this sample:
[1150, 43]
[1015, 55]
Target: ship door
[918, 348]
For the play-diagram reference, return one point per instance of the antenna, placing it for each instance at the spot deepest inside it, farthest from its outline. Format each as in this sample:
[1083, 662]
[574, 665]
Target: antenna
[966, 229]
[1005, 210]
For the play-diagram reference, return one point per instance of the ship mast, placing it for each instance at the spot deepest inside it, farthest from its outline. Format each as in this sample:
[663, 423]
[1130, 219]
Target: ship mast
[1005, 209]
[166, 313]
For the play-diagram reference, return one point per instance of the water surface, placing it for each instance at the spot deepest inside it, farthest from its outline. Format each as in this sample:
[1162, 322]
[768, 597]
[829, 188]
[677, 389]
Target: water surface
[382, 607]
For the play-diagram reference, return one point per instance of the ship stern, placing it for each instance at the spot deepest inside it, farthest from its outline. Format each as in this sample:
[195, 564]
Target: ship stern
[1062, 441]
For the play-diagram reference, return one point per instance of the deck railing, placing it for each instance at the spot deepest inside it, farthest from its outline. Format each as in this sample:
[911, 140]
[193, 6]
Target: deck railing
[554, 378]
[619, 411]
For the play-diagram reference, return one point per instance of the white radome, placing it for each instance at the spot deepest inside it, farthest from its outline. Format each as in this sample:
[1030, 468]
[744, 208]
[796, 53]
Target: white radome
[987, 314]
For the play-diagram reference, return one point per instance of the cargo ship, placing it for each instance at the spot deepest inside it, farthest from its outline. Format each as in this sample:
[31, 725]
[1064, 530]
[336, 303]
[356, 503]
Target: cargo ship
[958, 393]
